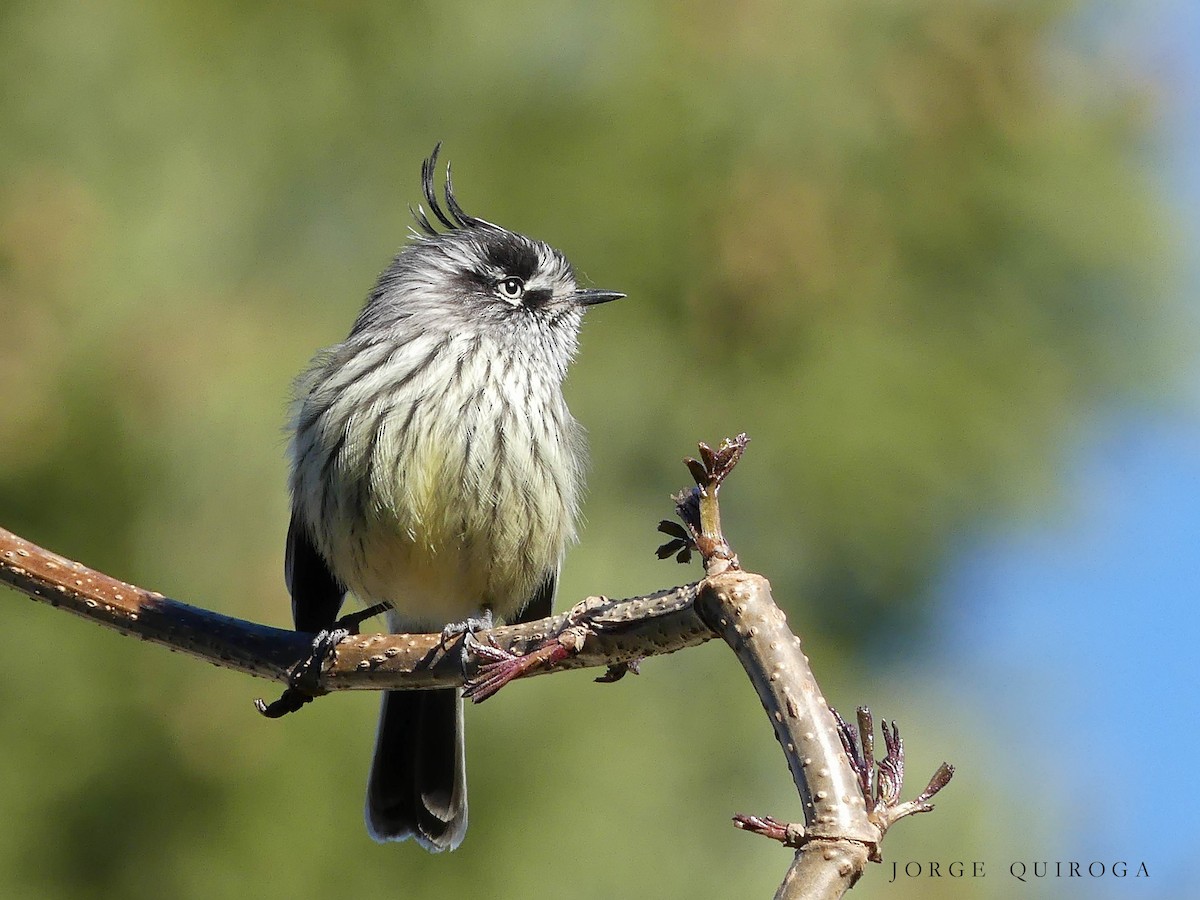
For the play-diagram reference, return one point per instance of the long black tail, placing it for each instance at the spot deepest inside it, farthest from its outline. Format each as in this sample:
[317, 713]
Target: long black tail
[418, 783]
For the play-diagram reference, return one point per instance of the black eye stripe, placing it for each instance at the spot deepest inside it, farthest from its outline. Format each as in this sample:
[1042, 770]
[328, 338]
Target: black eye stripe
[537, 299]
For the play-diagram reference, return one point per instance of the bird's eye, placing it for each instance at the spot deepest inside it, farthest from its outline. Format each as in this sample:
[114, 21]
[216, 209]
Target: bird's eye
[511, 288]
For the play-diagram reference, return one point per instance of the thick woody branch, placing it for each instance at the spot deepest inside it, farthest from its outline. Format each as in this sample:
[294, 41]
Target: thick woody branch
[837, 838]
[823, 869]
[618, 631]
[738, 605]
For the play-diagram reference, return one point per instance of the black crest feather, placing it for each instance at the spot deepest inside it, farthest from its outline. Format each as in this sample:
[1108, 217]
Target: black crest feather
[458, 218]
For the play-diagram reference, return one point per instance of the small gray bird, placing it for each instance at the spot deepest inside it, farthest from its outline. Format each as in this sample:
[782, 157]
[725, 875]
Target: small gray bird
[437, 469]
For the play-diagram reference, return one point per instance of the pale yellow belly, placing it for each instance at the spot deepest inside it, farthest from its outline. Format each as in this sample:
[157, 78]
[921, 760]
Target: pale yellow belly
[453, 502]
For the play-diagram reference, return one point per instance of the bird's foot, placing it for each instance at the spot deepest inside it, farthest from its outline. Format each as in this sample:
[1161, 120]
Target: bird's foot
[468, 627]
[617, 671]
[305, 676]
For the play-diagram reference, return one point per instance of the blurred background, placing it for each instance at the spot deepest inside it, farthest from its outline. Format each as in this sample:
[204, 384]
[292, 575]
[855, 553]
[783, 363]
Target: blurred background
[936, 257]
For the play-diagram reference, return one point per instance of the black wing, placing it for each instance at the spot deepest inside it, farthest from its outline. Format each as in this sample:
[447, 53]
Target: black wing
[316, 594]
[541, 604]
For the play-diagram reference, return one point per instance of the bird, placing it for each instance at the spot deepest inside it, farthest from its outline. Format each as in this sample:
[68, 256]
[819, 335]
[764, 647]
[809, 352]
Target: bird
[436, 470]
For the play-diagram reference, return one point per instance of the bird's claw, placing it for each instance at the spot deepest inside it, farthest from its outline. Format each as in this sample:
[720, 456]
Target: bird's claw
[467, 628]
[617, 671]
[304, 680]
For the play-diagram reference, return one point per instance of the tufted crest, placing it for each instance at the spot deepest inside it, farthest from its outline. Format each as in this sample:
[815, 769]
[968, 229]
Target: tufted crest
[455, 217]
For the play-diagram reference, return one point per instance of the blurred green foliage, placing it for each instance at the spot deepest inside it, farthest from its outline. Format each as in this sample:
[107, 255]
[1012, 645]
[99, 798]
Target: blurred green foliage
[907, 246]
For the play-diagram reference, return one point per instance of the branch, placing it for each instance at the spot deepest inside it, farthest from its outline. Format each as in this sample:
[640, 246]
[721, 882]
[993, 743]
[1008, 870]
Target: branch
[739, 605]
[846, 810]
[620, 632]
[847, 806]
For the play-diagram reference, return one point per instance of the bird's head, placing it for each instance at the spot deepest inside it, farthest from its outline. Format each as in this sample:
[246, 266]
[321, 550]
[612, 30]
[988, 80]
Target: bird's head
[475, 276]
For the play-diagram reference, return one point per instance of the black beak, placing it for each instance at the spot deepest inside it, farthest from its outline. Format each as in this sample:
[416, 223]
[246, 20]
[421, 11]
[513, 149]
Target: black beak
[591, 297]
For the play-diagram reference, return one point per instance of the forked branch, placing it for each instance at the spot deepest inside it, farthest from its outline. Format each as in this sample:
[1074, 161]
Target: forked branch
[847, 806]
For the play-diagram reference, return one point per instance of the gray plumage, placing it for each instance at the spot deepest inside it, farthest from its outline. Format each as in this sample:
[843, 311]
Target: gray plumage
[436, 468]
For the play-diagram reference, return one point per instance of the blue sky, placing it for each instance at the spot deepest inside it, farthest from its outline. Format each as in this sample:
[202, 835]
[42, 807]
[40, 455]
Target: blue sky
[1083, 633]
